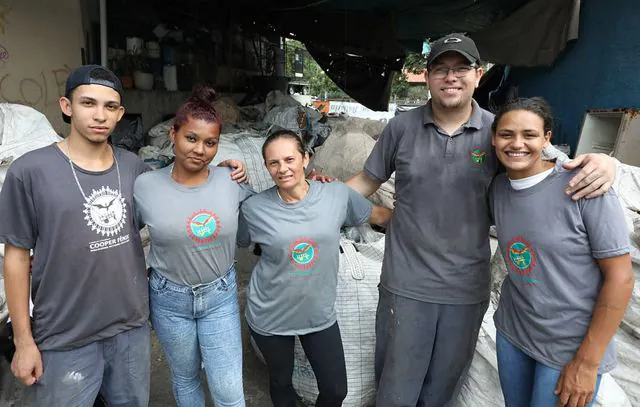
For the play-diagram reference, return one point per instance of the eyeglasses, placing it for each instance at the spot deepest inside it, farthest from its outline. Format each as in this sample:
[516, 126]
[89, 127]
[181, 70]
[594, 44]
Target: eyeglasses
[458, 71]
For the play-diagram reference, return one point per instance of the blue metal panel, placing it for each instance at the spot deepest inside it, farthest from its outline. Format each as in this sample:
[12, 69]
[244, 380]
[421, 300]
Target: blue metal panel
[601, 70]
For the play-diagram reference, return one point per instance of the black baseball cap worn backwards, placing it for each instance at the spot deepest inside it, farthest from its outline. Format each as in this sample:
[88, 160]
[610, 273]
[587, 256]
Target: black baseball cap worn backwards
[91, 75]
[455, 42]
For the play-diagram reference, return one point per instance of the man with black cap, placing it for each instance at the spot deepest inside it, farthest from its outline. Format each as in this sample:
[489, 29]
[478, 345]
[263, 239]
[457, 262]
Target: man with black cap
[71, 203]
[435, 281]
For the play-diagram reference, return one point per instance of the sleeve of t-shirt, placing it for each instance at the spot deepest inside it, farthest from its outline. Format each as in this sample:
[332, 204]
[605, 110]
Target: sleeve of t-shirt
[142, 168]
[381, 163]
[245, 191]
[358, 208]
[606, 227]
[243, 238]
[18, 225]
[137, 199]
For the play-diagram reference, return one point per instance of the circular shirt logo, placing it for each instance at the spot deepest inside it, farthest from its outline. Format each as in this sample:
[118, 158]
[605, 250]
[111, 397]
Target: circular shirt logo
[105, 211]
[203, 226]
[522, 256]
[304, 253]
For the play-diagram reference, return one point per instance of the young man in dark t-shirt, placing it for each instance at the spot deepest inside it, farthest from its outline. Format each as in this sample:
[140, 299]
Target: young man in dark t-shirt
[71, 203]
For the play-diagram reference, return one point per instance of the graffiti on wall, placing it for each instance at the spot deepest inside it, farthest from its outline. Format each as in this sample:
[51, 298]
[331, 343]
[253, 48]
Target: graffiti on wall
[40, 91]
[4, 53]
[4, 10]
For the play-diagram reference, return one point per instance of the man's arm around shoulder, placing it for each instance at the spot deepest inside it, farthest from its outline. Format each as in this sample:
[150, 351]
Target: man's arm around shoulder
[363, 184]
[27, 361]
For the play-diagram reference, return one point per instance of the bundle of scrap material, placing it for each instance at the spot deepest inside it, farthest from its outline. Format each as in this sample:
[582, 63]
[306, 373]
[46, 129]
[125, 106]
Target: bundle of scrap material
[338, 145]
[22, 129]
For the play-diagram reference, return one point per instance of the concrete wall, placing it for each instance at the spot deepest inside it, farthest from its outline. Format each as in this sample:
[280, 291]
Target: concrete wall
[40, 42]
[600, 70]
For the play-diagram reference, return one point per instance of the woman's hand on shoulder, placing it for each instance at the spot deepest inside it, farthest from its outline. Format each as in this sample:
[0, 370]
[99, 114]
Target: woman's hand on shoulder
[239, 173]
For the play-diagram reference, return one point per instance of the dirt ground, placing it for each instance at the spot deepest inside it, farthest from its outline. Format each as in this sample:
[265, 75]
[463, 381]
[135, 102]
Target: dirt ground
[256, 386]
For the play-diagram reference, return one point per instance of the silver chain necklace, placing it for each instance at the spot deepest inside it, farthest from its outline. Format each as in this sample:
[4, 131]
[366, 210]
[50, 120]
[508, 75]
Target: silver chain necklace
[75, 176]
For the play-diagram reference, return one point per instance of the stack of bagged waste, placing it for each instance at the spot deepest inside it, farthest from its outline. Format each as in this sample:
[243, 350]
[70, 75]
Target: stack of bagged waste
[627, 374]
[22, 129]
[244, 131]
[342, 124]
[344, 153]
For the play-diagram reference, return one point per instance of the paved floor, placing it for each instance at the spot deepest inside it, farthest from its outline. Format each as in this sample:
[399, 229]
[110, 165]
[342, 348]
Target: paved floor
[255, 375]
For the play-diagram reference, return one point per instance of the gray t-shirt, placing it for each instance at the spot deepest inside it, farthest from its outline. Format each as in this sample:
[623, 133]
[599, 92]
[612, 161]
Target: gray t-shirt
[88, 276]
[550, 244]
[293, 286]
[192, 229]
[437, 247]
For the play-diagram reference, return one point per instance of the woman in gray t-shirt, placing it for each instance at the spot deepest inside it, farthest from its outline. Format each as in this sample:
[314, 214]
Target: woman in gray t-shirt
[569, 270]
[293, 286]
[191, 210]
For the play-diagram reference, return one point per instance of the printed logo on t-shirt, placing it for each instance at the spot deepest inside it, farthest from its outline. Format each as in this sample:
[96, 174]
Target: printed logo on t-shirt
[303, 254]
[203, 227]
[522, 259]
[478, 156]
[105, 212]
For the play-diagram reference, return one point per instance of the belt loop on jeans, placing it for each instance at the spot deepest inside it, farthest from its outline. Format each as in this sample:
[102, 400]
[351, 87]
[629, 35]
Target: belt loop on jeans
[223, 280]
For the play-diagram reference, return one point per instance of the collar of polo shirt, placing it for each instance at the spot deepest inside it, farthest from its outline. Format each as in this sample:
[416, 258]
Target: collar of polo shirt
[475, 121]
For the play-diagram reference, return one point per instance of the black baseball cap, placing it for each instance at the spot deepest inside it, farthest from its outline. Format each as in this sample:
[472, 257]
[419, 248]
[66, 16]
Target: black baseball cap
[455, 42]
[91, 75]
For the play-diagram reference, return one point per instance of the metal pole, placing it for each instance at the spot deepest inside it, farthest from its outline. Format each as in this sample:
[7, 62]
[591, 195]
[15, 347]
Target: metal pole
[103, 32]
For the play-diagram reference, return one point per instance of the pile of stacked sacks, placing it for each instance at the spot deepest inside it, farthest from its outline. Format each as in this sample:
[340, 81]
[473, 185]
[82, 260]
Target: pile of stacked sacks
[22, 129]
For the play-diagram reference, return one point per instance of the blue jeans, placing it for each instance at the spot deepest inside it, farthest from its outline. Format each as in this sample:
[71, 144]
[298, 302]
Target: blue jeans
[197, 326]
[117, 367]
[525, 382]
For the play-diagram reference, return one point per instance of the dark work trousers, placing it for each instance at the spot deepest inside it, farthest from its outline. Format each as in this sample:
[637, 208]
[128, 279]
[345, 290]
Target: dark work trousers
[326, 356]
[423, 350]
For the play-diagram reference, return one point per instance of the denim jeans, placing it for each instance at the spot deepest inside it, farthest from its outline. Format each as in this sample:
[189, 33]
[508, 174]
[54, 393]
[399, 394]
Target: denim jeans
[524, 381]
[200, 326]
[117, 367]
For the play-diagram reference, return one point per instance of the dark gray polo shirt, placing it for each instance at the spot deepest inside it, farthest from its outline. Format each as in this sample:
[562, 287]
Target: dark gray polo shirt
[437, 247]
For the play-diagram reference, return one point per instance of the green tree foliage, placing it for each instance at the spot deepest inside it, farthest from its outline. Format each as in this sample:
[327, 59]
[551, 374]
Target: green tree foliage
[321, 84]
[415, 63]
[399, 86]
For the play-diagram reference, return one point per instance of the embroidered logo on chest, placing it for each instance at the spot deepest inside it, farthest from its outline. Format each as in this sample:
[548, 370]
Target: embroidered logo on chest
[478, 156]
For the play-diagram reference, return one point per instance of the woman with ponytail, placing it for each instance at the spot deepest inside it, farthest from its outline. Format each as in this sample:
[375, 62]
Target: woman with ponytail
[191, 210]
